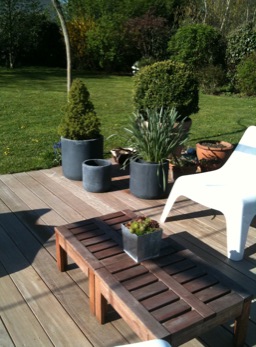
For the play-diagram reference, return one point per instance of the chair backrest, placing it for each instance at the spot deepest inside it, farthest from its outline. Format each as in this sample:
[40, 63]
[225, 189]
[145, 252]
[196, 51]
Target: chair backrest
[243, 158]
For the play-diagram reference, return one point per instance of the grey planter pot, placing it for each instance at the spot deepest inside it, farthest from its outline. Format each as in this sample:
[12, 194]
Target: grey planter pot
[149, 180]
[75, 152]
[97, 175]
[142, 247]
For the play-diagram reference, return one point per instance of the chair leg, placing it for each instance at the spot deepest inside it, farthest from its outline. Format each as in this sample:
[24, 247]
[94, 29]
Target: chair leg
[168, 206]
[237, 231]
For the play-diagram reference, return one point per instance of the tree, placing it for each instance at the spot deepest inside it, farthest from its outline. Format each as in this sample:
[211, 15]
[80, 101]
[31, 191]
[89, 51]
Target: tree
[18, 28]
[58, 8]
[149, 35]
[197, 45]
[224, 15]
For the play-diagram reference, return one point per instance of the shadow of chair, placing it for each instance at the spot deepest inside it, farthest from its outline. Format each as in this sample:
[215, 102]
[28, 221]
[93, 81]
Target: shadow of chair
[22, 237]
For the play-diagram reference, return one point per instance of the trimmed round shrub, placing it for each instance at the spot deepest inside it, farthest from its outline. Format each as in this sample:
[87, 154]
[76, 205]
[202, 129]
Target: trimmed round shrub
[166, 84]
[246, 75]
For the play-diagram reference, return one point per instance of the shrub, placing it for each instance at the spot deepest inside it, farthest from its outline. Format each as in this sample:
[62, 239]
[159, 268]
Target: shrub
[80, 121]
[197, 45]
[107, 45]
[211, 78]
[149, 35]
[246, 75]
[78, 29]
[240, 43]
[166, 84]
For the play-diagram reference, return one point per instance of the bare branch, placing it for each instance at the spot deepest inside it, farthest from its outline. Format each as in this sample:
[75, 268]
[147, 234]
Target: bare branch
[59, 11]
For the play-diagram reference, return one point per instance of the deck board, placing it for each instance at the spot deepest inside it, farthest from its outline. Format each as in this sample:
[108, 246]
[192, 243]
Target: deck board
[54, 306]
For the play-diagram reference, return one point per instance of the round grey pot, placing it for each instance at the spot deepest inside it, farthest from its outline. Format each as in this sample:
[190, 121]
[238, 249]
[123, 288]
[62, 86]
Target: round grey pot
[75, 152]
[148, 180]
[97, 175]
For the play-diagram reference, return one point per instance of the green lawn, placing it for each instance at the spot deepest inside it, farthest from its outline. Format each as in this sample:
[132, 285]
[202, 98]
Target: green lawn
[32, 103]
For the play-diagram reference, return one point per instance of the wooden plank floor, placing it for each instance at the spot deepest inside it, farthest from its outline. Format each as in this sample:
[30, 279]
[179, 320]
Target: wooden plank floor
[39, 306]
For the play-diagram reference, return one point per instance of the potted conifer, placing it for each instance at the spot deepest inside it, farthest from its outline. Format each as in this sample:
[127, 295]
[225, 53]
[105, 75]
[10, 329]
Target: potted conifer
[80, 132]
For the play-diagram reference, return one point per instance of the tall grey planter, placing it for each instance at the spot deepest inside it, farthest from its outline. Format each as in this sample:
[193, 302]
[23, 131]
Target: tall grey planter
[97, 175]
[148, 180]
[75, 152]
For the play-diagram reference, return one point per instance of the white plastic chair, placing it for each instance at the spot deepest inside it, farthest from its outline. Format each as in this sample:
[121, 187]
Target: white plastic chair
[230, 189]
[150, 343]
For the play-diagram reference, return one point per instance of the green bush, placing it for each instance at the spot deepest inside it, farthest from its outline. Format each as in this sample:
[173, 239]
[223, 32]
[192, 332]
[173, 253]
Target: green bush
[246, 75]
[80, 121]
[211, 78]
[166, 84]
[107, 47]
[197, 45]
[240, 43]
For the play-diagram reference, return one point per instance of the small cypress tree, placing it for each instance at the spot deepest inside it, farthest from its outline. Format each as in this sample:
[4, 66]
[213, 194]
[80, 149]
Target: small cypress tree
[80, 121]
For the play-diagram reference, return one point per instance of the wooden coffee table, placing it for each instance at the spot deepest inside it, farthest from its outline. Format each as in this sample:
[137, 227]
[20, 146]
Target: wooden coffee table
[89, 241]
[175, 297]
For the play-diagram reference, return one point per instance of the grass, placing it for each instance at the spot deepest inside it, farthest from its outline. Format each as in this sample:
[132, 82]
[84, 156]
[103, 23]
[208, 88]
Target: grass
[33, 99]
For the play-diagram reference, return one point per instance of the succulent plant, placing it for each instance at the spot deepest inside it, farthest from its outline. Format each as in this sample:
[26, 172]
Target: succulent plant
[142, 225]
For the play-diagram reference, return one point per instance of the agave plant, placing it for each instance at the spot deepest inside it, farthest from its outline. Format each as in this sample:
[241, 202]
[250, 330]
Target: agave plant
[157, 135]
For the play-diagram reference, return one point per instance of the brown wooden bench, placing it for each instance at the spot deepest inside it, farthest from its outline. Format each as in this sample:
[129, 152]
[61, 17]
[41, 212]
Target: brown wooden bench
[175, 297]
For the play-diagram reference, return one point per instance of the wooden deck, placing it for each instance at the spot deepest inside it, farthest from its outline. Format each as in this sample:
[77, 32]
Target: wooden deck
[40, 306]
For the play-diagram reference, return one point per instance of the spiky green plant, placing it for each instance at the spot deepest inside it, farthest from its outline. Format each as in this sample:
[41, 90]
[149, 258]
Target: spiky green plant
[156, 138]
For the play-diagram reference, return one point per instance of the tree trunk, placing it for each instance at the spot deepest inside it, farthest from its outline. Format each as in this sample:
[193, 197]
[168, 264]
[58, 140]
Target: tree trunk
[225, 15]
[205, 11]
[58, 9]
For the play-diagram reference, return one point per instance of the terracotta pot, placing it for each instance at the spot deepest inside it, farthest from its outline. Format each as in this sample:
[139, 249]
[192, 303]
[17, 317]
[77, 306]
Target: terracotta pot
[214, 150]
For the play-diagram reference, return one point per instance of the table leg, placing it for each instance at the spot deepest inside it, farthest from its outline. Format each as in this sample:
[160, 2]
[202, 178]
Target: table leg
[61, 254]
[100, 303]
[241, 324]
[91, 278]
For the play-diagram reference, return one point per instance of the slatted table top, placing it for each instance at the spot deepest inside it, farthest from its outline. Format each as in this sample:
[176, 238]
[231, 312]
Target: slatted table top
[176, 296]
